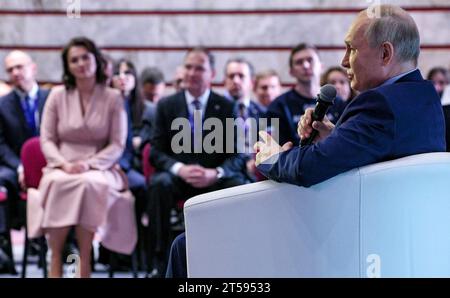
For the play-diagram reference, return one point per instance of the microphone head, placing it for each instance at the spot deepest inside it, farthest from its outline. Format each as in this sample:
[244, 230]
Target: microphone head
[327, 93]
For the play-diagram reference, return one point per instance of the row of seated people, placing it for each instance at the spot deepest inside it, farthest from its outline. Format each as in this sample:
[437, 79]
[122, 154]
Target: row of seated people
[83, 140]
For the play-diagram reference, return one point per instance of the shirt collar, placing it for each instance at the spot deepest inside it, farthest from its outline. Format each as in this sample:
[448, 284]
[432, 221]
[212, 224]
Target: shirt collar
[203, 98]
[32, 94]
[245, 101]
[397, 77]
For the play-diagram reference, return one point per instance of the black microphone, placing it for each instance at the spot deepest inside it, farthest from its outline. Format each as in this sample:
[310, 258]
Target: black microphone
[325, 99]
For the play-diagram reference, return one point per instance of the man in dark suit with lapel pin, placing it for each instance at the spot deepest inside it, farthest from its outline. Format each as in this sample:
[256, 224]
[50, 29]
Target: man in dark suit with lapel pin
[20, 115]
[180, 173]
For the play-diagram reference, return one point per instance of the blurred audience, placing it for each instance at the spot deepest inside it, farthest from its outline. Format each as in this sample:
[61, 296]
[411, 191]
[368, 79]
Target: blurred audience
[305, 67]
[83, 134]
[239, 78]
[183, 168]
[109, 68]
[125, 79]
[337, 76]
[440, 78]
[267, 87]
[152, 84]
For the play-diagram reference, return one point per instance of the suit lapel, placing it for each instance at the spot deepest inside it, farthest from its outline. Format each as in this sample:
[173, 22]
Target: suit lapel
[42, 98]
[213, 107]
[181, 109]
[16, 109]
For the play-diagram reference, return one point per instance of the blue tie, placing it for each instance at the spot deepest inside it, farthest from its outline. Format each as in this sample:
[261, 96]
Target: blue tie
[30, 107]
[196, 142]
[243, 113]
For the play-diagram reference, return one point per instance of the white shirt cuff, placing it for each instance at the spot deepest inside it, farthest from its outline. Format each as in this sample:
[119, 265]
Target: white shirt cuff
[20, 169]
[176, 167]
[220, 172]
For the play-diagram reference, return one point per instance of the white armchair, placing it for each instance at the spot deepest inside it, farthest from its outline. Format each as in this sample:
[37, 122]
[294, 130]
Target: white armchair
[390, 219]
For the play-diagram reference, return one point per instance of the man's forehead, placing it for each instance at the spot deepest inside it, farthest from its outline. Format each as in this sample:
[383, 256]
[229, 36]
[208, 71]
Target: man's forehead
[305, 53]
[357, 29]
[237, 67]
[17, 58]
[196, 57]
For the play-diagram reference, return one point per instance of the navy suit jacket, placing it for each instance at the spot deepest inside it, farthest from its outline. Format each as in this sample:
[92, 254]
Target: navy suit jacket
[14, 130]
[162, 156]
[384, 123]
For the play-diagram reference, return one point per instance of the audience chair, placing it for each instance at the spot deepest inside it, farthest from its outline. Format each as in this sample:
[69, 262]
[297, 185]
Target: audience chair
[33, 162]
[177, 218]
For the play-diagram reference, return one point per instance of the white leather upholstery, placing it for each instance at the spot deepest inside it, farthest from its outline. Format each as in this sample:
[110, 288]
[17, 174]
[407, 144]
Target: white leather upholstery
[390, 219]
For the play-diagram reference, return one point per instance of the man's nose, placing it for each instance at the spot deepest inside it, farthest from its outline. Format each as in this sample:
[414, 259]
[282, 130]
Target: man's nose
[15, 71]
[344, 61]
[306, 64]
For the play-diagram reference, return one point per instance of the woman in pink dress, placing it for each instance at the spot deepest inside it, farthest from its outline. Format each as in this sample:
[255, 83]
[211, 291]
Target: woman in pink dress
[83, 134]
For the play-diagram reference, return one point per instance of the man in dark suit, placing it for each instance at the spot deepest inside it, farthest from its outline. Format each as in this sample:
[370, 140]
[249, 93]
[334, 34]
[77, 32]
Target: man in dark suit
[186, 167]
[20, 114]
[239, 80]
[397, 114]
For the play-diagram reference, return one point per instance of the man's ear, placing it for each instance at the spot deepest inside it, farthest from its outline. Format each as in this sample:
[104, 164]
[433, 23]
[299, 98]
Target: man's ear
[387, 53]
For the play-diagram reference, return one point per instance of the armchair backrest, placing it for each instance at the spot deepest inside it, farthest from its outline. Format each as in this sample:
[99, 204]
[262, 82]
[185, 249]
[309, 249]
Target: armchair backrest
[387, 219]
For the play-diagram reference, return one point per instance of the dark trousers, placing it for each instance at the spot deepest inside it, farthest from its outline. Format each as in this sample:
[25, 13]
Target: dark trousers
[164, 192]
[177, 266]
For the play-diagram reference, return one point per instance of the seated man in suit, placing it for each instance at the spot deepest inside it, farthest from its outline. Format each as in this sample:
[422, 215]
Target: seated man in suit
[20, 115]
[396, 114]
[184, 168]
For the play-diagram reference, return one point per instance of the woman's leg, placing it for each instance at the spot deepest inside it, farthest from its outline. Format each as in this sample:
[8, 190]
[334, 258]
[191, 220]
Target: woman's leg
[84, 239]
[56, 239]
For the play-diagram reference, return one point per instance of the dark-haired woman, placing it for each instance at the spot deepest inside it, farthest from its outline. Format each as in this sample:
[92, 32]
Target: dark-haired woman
[83, 134]
[337, 76]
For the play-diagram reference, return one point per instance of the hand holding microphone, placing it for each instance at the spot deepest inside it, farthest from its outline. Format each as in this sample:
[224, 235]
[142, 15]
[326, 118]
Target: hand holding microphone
[313, 123]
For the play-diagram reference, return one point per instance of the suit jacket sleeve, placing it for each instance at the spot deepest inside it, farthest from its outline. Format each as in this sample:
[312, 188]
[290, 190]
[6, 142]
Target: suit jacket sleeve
[148, 119]
[126, 160]
[364, 137]
[275, 111]
[235, 163]
[7, 156]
